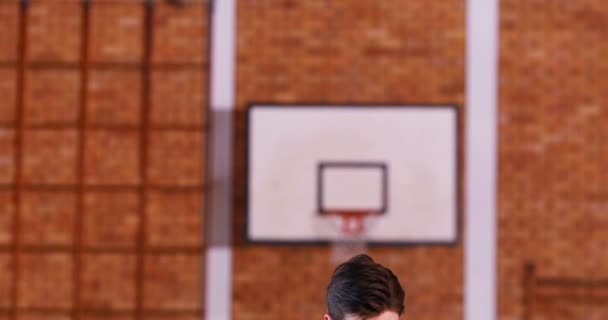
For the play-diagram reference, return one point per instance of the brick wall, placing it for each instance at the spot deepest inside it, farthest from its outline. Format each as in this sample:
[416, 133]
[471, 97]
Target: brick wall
[103, 160]
[340, 52]
[85, 170]
[553, 196]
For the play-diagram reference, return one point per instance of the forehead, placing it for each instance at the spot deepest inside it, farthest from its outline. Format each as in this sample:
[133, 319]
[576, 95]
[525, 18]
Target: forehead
[386, 315]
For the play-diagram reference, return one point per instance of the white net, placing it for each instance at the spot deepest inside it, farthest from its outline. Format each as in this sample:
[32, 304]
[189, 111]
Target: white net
[350, 236]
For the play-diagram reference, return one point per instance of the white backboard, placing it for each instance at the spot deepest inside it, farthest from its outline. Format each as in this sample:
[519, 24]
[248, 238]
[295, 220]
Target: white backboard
[401, 159]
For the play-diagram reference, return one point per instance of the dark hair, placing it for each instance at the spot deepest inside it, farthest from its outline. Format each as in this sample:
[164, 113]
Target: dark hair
[363, 288]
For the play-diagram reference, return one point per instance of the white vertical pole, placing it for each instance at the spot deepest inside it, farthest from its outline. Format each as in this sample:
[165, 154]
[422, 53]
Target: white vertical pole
[481, 159]
[218, 280]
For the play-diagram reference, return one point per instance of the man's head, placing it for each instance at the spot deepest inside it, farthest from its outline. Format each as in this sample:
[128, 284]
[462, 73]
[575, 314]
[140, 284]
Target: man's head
[361, 289]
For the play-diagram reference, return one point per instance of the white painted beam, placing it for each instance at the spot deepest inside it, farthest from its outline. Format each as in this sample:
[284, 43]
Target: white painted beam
[481, 159]
[218, 280]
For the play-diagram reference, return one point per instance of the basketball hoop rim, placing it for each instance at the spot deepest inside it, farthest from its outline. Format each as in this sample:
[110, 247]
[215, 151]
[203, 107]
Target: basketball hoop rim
[351, 222]
[351, 213]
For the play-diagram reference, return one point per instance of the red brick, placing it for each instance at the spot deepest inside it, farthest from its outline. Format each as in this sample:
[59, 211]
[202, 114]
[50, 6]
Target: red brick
[9, 23]
[178, 98]
[107, 317]
[172, 282]
[38, 316]
[53, 33]
[110, 219]
[52, 96]
[7, 156]
[114, 97]
[8, 90]
[7, 210]
[46, 281]
[180, 32]
[47, 218]
[49, 156]
[108, 282]
[176, 158]
[175, 219]
[117, 32]
[551, 186]
[111, 158]
[359, 51]
[6, 281]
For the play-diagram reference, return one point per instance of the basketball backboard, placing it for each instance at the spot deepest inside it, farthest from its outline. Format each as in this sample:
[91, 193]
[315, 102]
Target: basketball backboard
[399, 161]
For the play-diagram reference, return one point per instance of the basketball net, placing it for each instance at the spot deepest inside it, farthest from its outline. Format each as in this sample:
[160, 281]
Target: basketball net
[350, 233]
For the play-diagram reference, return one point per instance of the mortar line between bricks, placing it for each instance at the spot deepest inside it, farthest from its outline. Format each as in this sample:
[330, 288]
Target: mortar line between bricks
[117, 250]
[82, 121]
[23, 27]
[143, 156]
[104, 187]
[108, 312]
[108, 127]
[114, 2]
[107, 66]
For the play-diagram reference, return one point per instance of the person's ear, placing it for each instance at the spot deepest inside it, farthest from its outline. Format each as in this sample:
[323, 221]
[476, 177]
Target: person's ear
[327, 317]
